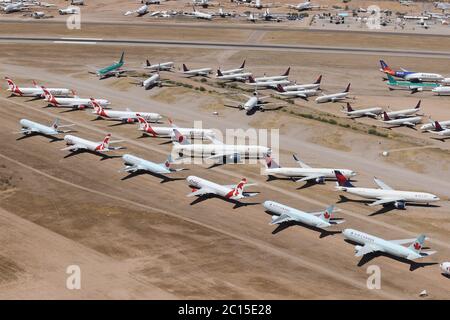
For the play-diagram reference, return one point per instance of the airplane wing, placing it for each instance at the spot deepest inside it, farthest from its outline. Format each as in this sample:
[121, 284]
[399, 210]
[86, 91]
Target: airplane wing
[73, 147]
[371, 114]
[221, 155]
[422, 255]
[385, 201]
[214, 140]
[200, 192]
[381, 184]
[368, 248]
[300, 162]
[281, 219]
[130, 168]
[310, 177]
[403, 241]
[409, 124]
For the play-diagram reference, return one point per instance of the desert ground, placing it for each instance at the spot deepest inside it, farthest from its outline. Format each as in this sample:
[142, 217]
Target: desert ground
[142, 238]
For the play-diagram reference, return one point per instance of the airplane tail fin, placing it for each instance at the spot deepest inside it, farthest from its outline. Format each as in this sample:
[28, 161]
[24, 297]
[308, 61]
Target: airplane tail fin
[55, 124]
[35, 84]
[348, 88]
[386, 117]
[342, 180]
[349, 107]
[280, 88]
[168, 161]
[219, 73]
[417, 245]
[97, 108]
[106, 140]
[242, 65]
[391, 79]
[48, 95]
[179, 138]
[11, 83]
[121, 57]
[418, 105]
[327, 214]
[270, 163]
[385, 67]
[287, 72]
[438, 126]
[239, 189]
[185, 69]
[319, 79]
[143, 124]
[251, 79]
[148, 63]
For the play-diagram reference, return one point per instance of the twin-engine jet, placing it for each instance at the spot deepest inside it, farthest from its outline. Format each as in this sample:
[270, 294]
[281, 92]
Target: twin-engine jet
[35, 91]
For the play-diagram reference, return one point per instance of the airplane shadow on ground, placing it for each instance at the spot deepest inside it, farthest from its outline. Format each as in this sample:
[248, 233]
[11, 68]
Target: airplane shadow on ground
[102, 156]
[163, 178]
[446, 275]
[285, 225]
[413, 265]
[237, 204]
[52, 139]
[385, 208]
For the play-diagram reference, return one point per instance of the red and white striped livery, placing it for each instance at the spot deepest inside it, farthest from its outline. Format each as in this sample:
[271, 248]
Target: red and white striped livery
[76, 144]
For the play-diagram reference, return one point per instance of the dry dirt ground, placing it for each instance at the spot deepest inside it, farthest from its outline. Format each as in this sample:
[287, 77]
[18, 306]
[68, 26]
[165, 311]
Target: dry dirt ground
[139, 238]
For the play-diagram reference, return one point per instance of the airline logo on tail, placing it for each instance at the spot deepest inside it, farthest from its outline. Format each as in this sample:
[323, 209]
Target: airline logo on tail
[105, 144]
[179, 137]
[385, 68]
[287, 72]
[185, 69]
[348, 88]
[319, 79]
[144, 126]
[418, 244]
[12, 86]
[50, 98]
[280, 88]
[349, 107]
[237, 191]
[98, 108]
[342, 180]
[271, 164]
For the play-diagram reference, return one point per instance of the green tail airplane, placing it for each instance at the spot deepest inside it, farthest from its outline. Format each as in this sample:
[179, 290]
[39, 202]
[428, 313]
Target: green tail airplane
[112, 70]
[408, 85]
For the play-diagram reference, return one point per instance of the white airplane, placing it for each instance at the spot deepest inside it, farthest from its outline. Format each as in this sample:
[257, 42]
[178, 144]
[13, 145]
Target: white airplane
[217, 150]
[163, 66]
[151, 82]
[258, 5]
[35, 91]
[367, 112]
[266, 84]
[423, 77]
[135, 164]
[127, 116]
[284, 76]
[196, 72]
[68, 10]
[16, 7]
[31, 128]
[251, 17]
[167, 132]
[442, 90]
[405, 112]
[372, 244]
[385, 195]
[304, 94]
[143, 10]
[238, 70]
[253, 104]
[309, 86]
[408, 122]
[202, 187]
[317, 175]
[74, 102]
[201, 15]
[445, 268]
[444, 133]
[285, 214]
[243, 76]
[303, 6]
[76, 144]
[334, 96]
[224, 14]
[432, 125]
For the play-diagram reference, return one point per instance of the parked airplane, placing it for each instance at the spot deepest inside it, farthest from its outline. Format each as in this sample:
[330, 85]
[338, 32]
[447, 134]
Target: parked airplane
[113, 70]
[309, 86]
[35, 91]
[367, 112]
[404, 112]
[196, 72]
[334, 96]
[68, 10]
[127, 116]
[432, 125]
[243, 76]
[202, 187]
[76, 144]
[372, 244]
[285, 214]
[74, 102]
[31, 128]
[200, 15]
[143, 10]
[266, 84]
[442, 90]
[284, 76]
[16, 7]
[135, 164]
[217, 150]
[303, 6]
[385, 195]
[317, 175]
[151, 82]
[445, 266]
[238, 70]
[259, 5]
[163, 66]
[167, 132]
[443, 132]
[304, 94]
[408, 122]
[253, 104]
[410, 75]
[414, 87]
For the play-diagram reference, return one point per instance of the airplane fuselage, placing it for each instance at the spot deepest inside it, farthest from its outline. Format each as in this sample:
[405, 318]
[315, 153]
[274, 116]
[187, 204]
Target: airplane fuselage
[364, 112]
[86, 144]
[332, 97]
[406, 196]
[37, 127]
[217, 189]
[207, 150]
[302, 172]
[297, 215]
[128, 116]
[134, 163]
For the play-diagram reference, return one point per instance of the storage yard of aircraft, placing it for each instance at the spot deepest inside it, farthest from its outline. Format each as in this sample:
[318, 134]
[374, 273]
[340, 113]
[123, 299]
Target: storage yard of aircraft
[244, 157]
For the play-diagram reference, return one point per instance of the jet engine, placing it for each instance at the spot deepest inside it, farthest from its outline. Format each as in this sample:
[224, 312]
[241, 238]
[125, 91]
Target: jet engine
[233, 158]
[320, 180]
[400, 204]
[357, 248]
